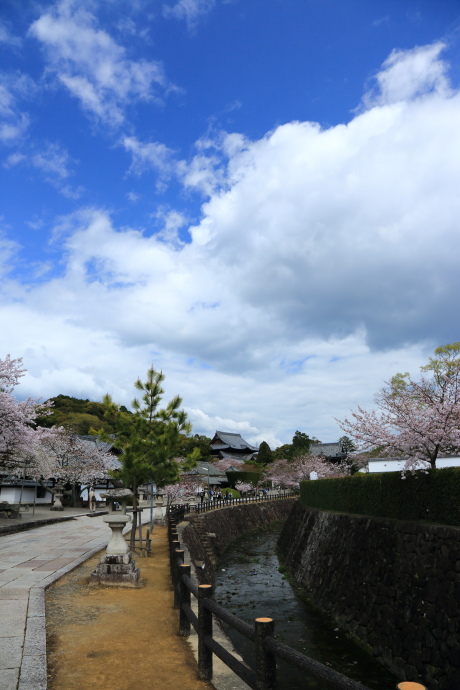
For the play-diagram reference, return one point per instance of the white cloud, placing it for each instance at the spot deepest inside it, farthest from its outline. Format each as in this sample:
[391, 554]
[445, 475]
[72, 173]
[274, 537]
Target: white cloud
[325, 260]
[150, 155]
[92, 65]
[171, 222]
[7, 37]
[189, 11]
[54, 162]
[13, 122]
[8, 251]
[410, 73]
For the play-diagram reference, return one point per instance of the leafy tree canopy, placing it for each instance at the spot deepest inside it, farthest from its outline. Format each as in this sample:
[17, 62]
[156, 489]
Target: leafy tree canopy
[188, 443]
[300, 445]
[80, 416]
[264, 456]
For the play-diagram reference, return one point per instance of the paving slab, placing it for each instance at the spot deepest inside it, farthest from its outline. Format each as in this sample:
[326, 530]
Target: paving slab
[10, 678]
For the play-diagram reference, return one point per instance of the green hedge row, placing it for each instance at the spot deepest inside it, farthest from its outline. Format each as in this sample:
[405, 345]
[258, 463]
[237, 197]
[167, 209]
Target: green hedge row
[434, 497]
[234, 477]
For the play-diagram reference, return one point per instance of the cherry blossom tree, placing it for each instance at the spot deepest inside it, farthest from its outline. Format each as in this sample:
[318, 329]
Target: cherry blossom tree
[19, 435]
[244, 487]
[225, 463]
[416, 420]
[289, 474]
[182, 490]
[69, 458]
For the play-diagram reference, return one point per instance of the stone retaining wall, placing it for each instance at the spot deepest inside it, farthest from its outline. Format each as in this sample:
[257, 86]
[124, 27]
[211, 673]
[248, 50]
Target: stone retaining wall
[394, 585]
[207, 535]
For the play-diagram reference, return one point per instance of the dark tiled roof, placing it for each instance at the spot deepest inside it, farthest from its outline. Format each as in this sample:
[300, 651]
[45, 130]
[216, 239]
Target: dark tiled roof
[231, 440]
[100, 445]
[331, 450]
[246, 456]
[202, 470]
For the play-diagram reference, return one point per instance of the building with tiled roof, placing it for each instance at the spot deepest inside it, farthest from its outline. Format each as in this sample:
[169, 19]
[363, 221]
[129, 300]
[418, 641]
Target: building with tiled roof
[229, 445]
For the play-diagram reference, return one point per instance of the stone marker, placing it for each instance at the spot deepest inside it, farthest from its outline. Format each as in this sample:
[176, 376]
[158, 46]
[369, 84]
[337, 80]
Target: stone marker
[158, 517]
[117, 566]
[58, 492]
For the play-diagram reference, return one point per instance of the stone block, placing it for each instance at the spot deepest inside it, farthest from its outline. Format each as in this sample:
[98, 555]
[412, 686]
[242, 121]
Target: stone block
[35, 640]
[33, 673]
[36, 602]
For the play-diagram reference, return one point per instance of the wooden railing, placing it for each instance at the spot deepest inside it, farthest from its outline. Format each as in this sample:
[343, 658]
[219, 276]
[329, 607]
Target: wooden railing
[267, 648]
[178, 510]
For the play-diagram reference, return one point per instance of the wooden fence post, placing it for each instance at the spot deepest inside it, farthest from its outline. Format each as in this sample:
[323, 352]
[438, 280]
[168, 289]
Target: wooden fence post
[178, 560]
[265, 660]
[184, 598]
[174, 544]
[204, 630]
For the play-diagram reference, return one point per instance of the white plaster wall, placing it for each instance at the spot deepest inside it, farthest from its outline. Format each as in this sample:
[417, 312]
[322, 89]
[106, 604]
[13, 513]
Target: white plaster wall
[388, 465]
[13, 493]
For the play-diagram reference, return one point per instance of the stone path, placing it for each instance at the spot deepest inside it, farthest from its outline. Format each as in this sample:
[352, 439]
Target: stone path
[29, 562]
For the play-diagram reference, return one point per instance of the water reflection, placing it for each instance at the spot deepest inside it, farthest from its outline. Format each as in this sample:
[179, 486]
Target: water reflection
[250, 583]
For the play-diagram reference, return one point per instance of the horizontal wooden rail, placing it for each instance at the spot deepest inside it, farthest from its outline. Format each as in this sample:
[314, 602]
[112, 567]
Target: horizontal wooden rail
[241, 670]
[178, 510]
[332, 679]
[261, 634]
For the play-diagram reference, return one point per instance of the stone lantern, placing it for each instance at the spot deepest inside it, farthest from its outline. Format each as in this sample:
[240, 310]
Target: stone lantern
[58, 495]
[117, 566]
[158, 517]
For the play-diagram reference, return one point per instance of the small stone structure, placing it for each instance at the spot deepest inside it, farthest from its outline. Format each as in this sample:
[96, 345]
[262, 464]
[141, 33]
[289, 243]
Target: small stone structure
[159, 517]
[58, 492]
[117, 566]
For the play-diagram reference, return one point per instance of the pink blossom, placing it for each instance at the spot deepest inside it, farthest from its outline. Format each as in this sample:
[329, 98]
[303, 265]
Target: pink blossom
[225, 463]
[415, 420]
[18, 432]
[289, 474]
[244, 486]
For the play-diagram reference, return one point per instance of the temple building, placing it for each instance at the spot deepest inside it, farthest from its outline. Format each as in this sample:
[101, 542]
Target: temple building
[229, 445]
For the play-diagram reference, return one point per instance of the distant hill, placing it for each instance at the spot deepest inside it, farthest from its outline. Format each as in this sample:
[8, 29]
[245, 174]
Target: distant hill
[78, 415]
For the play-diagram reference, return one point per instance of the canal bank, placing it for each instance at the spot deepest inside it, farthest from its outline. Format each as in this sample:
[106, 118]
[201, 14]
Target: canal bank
[250, 582]
[208, 536]
[393, 584]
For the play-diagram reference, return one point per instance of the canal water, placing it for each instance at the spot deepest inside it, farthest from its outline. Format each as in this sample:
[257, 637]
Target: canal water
[251, 583]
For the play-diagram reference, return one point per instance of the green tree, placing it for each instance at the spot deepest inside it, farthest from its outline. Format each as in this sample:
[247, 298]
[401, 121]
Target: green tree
[283, 452]
[347, 445]
[264, 456]
[150, 438]
[79, 416]
[301, 443]
[203, 443]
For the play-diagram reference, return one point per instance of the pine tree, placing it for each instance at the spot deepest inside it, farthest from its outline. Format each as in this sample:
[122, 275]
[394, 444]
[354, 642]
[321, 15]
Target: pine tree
[150, 438]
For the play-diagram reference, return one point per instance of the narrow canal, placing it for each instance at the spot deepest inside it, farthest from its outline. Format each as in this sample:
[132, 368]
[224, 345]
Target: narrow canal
[251, 583]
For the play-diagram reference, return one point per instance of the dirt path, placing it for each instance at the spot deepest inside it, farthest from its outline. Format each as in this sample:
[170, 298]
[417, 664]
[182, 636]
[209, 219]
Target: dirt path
[118, 638]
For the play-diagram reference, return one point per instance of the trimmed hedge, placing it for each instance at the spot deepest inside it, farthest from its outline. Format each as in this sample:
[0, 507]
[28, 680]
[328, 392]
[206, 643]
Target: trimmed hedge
[252, 477]
[434, 497]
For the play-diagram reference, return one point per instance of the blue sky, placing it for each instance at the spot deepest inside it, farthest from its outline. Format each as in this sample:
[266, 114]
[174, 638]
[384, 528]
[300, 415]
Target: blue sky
[259, 197]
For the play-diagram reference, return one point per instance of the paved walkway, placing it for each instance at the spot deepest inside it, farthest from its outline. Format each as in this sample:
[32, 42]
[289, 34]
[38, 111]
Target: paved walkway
[29, 562]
